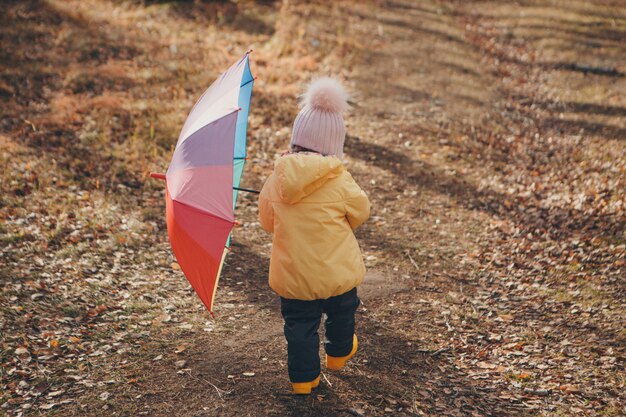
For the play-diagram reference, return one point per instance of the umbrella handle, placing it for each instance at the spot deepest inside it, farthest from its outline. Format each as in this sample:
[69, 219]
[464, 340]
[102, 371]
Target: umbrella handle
[157, 175]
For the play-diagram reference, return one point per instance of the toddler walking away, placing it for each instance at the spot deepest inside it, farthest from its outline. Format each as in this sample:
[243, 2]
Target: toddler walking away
[312, 205]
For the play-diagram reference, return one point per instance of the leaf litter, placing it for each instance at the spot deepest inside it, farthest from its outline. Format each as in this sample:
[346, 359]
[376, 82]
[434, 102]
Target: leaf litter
[498, 206]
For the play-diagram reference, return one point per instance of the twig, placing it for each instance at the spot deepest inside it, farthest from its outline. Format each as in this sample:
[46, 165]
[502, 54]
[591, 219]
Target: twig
[218, 390]
[327, 381]
[612, 72]
[435, 353]
[426, 289]
[31, 124]
[412, 261]
[415, 406]
[438, 351]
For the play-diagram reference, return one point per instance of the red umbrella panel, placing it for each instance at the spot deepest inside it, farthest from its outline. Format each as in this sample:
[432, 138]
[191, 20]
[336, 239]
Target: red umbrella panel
[207, 163]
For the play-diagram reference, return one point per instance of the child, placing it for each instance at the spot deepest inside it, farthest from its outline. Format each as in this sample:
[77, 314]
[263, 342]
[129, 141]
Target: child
[312, 205]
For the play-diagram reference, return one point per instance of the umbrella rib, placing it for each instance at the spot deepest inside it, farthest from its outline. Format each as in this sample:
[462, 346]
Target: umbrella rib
[247, 82]
[189, 134]
[204, 212]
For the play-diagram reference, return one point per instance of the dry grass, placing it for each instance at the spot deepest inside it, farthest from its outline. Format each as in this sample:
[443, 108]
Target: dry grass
[495, 167]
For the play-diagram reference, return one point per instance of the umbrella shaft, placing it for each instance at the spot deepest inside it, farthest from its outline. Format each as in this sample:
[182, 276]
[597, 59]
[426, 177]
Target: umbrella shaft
[248, 190]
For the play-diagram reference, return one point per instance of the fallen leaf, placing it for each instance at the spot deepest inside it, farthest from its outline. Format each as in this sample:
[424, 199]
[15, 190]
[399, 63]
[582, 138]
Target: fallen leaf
[570, 389]
[485, 365]
[21, 351]
[524, 376]
[97, 310]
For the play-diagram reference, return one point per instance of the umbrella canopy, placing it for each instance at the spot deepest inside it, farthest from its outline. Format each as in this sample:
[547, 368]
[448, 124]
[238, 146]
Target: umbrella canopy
[207, 163]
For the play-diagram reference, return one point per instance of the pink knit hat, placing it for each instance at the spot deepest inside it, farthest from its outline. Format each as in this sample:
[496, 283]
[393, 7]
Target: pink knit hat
[319, 125]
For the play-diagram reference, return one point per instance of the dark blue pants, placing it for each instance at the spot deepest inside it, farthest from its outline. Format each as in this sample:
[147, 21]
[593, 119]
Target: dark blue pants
[302, 320]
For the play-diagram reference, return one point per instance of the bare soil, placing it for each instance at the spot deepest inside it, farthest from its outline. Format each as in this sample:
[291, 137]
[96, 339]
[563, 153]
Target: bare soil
[489, 135]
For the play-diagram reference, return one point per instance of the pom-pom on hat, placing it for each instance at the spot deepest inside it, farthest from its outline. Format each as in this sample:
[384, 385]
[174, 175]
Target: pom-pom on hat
[319, 125]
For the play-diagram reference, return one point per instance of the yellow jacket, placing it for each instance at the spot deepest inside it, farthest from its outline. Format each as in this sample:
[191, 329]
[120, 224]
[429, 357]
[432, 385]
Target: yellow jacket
[312, 205]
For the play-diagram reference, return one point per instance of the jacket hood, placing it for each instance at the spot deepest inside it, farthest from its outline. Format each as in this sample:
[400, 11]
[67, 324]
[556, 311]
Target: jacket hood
[301, 174]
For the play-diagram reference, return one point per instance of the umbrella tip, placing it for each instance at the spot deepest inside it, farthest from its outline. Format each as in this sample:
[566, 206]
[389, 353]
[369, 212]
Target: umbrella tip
[250, 51]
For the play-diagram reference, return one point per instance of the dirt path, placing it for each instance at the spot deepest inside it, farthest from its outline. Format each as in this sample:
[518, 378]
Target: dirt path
[495, 163]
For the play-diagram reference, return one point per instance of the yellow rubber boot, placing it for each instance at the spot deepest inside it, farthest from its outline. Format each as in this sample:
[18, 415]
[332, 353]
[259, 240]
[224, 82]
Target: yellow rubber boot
[336, 363]
[305, 387]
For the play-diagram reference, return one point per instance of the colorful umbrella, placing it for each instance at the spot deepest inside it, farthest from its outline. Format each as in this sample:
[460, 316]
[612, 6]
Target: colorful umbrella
[203, 178]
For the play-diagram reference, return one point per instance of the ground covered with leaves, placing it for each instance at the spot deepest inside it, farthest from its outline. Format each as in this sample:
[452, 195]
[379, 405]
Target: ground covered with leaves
[490, 137]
